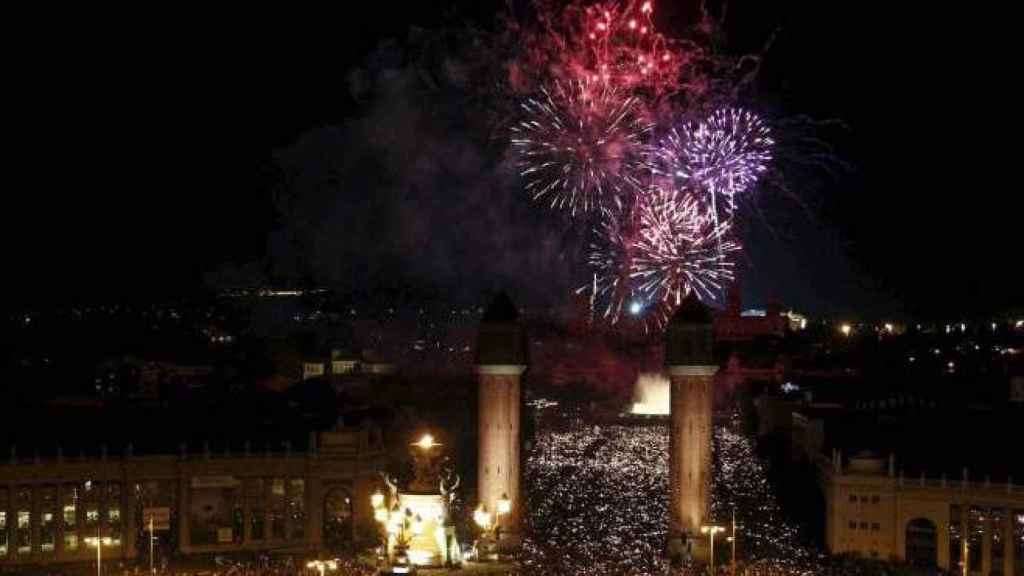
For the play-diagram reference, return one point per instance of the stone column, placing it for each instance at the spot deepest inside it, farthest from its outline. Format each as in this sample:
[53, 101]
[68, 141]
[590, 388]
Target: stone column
[58, 545]
[1009, 543]
[184, 506]
[965, 532]
[691, 370]
[246, 513]
[287, 510]
[501, 358]
[314, 511]
[129, 520]
[35, 517]
[986, 542]
[268, 509]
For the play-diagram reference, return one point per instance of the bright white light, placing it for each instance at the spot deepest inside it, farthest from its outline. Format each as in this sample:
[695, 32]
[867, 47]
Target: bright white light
[635, 308]
[426, 442]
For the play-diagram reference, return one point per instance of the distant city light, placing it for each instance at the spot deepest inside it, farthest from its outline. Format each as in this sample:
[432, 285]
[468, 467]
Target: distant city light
[888, 327]
[845, 329]
[753, 313]
[635, 308]
[790, 387]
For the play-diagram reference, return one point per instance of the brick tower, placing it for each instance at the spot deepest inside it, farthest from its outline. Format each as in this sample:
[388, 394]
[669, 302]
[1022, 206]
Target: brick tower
[501, 358]
[691, 369]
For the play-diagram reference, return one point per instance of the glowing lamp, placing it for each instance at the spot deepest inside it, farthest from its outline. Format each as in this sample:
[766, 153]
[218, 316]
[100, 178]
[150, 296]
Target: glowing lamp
[426, 442]
[504, 505]
[380, 515]
[482, 517]
[377, 500]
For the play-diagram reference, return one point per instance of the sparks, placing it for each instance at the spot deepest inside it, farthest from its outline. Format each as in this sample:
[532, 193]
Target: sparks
[580, 146]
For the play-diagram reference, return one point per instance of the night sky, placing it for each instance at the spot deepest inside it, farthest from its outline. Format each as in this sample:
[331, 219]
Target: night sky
[145, 173]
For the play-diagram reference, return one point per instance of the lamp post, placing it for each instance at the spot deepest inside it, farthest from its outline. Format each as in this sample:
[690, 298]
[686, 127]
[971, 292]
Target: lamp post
[322, 566]
[99, 542]
[487, 524]
[711, 530]
[503, 507]
[152, 540]
[732, 540]
[963, 557]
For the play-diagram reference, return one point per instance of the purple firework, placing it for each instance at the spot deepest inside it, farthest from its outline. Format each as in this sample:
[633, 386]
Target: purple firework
[721, 156]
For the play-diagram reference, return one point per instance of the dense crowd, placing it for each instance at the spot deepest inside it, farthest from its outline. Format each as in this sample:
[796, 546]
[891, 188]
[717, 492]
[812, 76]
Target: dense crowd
[598, 503]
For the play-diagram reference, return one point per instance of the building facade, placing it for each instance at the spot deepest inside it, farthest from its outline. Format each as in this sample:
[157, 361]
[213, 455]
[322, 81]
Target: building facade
[874, 512]
[218, 503]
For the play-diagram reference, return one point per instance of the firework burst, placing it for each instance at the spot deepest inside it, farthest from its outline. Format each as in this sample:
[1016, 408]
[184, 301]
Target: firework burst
[679, 249]
[581, 146]
[645, 261]
[722, 156]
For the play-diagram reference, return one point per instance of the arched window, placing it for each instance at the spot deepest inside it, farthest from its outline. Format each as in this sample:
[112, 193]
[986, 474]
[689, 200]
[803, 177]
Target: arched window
[47, 519]
[69, 508]
[23, 511]
[337, 518]
[922, 543]
[3, 522]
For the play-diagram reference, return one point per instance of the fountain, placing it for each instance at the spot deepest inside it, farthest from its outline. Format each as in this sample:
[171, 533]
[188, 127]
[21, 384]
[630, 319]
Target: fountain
[650, 394]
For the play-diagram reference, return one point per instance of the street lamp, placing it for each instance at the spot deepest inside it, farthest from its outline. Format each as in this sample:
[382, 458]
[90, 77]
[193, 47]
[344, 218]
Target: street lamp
[99, 542]
[322, 566]
[487, 523]
[504, 506]
[712, 530]
[732, 540]
[963, 557]
[426, 442]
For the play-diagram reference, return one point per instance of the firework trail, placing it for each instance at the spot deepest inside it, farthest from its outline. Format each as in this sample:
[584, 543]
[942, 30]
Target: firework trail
[581, 146]
[609, 259]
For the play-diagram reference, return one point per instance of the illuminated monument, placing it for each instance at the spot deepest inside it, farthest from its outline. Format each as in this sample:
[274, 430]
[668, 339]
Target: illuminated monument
[691, 370]
[501, 358]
